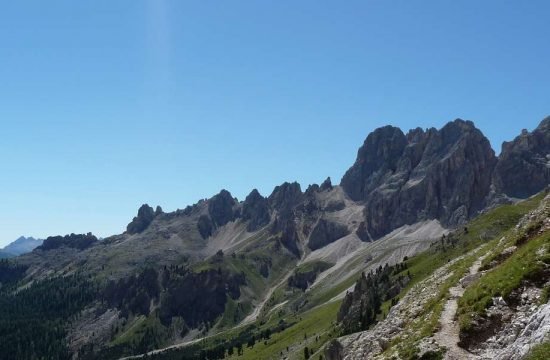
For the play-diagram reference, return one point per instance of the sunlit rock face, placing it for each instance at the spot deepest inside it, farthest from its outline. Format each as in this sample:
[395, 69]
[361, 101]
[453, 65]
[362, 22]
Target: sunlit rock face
[434, 174]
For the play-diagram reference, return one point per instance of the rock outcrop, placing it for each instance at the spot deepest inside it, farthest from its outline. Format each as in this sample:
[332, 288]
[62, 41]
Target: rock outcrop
[376, 161]
[523, 168]
[205, 226]
[255, 211]
[284, 197]
[435, 174]
[326, 232]
[220, 208]
[326, 185]
[144, 218]
[75, 241]
[282, 200]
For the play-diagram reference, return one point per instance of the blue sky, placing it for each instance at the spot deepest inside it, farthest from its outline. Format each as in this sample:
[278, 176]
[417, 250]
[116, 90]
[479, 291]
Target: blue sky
[105, 105]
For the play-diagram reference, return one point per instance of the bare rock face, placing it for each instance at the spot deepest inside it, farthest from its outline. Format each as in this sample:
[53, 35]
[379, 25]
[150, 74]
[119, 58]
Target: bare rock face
[255, 211]
[220, 208]
[376, 162]
[334, 351]
[523, 168]
[326, 232]
[286, 227]
[283, 200]
[205, 226]
[144, 217]
[435, 174]
[75, 241]
[284, 197]
[326, 185]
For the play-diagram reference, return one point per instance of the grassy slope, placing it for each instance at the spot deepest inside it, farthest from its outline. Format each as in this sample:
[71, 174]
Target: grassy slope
[539, 352]
[526, 263]
[486, 229]
[315, 322]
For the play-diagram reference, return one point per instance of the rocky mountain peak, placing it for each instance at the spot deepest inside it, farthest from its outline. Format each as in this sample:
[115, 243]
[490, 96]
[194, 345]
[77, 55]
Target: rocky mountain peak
[285, 196]
[435, 174]
[220, 208]
[415, 135]
[144, 217]
[158, 211]
[255, 210]
[326, 185]
[377, 158]
[527, 157]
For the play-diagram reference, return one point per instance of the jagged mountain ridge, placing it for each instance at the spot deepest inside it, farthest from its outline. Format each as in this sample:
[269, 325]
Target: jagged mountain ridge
[398, 179]
[400, 191]
[449, 174]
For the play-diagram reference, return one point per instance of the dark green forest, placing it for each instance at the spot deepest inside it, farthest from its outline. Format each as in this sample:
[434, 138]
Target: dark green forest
[32, 319]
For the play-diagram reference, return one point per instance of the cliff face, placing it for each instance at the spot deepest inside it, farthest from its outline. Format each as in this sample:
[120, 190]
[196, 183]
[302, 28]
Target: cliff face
[256, 211]
[523, 168]
[435, 174]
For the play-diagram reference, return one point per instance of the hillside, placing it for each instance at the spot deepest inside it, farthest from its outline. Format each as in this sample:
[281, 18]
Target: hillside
[425, 228]
[484, 296]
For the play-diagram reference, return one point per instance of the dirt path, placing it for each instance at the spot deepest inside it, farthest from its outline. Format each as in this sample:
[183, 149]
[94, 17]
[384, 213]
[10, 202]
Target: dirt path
[448, 334]
[175, 346]
[258, 309]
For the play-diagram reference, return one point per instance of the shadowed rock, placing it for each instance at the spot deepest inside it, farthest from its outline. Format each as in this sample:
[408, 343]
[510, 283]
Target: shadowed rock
[325, 233]
[76, 241]
[255, 211]
[205, 227]
[144, 217]
[326, 185]
[220, 208]
[284, 197]
[523, 167]
[435, 174]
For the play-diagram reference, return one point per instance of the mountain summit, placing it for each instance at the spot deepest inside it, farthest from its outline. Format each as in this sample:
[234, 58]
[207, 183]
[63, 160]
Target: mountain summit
[21, 246]
[434, 174]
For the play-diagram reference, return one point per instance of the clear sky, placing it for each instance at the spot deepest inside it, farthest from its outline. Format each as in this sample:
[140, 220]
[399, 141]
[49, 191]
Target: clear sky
[105, 105]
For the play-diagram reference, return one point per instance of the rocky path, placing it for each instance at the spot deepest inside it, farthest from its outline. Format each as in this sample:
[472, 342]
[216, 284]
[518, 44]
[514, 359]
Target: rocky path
[448, 334]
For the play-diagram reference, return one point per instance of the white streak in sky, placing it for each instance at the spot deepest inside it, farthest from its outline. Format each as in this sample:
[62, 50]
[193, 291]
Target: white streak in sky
[159, 47]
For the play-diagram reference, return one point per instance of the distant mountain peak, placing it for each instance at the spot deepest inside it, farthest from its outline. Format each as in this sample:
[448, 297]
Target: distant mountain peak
[22, 245]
